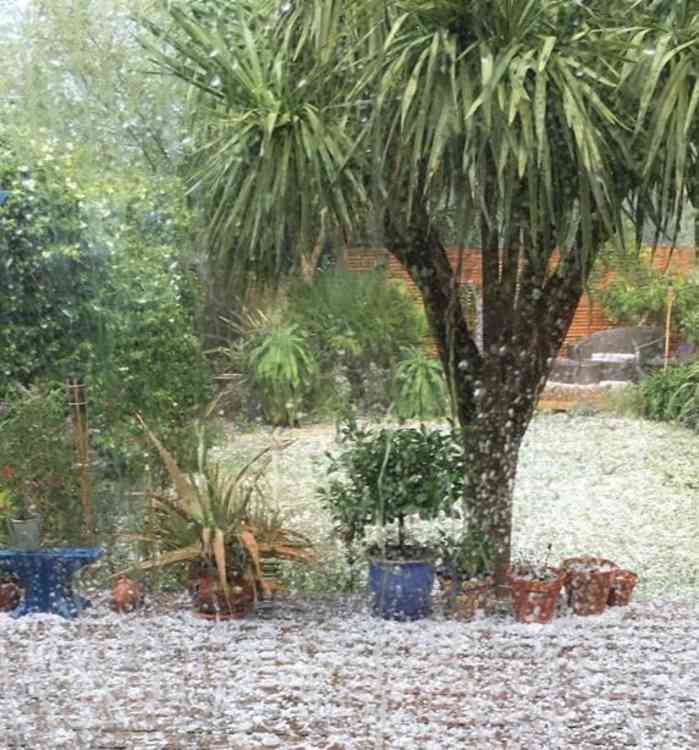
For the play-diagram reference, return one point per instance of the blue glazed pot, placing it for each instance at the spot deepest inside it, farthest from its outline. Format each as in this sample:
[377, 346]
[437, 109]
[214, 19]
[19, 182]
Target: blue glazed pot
[401, 590]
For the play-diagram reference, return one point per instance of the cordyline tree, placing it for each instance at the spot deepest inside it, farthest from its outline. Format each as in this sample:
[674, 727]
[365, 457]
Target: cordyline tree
[526, 121]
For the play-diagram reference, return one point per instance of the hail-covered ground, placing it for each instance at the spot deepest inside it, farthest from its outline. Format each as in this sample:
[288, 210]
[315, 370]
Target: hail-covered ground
[318, 672]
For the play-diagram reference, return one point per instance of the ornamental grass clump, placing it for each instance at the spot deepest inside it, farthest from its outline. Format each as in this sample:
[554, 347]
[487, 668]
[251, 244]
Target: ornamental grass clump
[673, 395]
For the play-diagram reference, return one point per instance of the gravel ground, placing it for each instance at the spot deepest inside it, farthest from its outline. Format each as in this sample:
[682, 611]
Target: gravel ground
[322, 675]
[319, 673]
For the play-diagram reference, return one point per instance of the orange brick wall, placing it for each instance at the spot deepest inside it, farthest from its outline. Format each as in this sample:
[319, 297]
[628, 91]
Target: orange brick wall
[588, 318]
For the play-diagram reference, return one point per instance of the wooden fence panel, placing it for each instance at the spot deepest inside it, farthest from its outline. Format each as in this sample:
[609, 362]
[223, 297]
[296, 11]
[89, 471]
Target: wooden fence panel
[589, 317]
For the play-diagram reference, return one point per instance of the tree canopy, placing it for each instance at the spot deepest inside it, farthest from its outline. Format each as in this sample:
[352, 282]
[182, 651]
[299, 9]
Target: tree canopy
[535, 124]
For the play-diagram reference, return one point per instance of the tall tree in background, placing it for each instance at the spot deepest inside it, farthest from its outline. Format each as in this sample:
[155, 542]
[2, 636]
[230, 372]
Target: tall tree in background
[520, 118]
[75, 69]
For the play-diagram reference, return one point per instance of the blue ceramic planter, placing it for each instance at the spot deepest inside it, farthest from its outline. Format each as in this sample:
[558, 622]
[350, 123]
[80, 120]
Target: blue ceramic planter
[401, 590]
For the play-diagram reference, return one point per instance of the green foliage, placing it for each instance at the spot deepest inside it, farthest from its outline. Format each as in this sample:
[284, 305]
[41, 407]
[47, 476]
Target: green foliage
[469, 555]
[672, 395]
[37, 458]
[283, 368]
[145, 356]
[47, 276]
[387, 475]
[91, 286]
[419, 385]
[250, 103]
[638, 294]
[687, 303]
[626, 401]
[114, 113]
[354, 322]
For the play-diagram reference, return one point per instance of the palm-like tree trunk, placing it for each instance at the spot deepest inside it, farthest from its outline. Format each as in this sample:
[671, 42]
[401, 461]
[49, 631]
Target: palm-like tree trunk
[527, 310]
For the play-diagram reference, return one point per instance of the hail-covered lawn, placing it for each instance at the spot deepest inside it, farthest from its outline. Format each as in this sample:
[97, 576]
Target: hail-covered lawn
[622, 489]
[319, 673]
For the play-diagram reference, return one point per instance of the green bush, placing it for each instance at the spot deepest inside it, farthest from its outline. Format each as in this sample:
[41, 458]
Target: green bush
[47, 273]
[638, 295]
[283, 369]
[672, 395]
[37, 458]
[353, 321]
[382, 477]
[92, 287]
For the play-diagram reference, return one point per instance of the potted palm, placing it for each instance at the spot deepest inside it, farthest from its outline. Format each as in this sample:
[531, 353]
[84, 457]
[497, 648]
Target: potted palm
[208, 521]
[384, 479]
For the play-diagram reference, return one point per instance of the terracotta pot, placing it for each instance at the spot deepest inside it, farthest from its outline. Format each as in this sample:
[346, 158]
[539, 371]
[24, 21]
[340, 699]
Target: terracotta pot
[10, 594]
[533, 600]
[212, 604]
[588, 582]
[464, 599]
[127, 594]
[623, 584]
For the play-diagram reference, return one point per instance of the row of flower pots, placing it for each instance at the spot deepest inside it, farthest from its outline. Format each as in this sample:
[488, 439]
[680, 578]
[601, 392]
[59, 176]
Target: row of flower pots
[403, 590]
[587, 585]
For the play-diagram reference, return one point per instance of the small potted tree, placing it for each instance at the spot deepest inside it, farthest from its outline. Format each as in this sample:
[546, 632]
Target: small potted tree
[387, 477]
[23, 521]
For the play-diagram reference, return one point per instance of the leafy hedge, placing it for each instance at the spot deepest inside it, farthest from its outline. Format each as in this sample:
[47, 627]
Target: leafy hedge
[92, 285]
[48, 274]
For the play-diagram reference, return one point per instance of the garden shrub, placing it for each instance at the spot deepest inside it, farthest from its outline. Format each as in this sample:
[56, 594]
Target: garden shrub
[672, 395]
[283, 368]
[37, 458]
[47, 274]
[355, 320]
[145, 355]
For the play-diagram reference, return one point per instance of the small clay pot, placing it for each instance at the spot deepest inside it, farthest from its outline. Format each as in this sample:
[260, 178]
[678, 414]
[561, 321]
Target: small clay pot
[10, 594]
[534, 601]
[212, 604]
[464, 599]
[623, 584]
[588, 581]
[127, 594]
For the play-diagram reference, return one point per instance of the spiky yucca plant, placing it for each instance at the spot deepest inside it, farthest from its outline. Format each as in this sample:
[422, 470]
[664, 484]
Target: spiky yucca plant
[213, 516]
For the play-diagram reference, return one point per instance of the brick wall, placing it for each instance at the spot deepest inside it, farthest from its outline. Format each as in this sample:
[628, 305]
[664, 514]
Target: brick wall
[589, 317]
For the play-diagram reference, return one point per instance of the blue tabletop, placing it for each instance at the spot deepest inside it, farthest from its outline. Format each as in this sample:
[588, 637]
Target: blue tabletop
[57, 553]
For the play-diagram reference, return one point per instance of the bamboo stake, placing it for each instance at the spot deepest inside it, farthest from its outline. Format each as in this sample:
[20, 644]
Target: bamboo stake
[76, 392]
[668, 324]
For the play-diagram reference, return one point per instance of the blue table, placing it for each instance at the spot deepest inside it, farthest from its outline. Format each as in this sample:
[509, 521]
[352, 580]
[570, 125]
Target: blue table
[45, 576]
